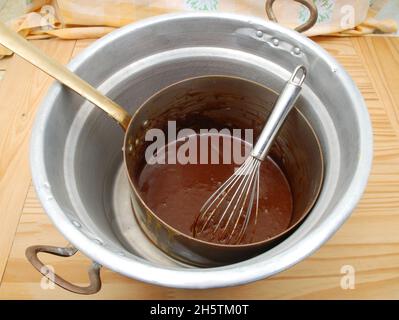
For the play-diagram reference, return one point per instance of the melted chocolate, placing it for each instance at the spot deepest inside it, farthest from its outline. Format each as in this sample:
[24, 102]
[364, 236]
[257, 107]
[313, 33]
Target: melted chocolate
[176, 192]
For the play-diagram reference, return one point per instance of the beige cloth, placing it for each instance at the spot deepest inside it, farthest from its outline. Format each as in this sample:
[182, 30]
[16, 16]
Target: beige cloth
[82, 19]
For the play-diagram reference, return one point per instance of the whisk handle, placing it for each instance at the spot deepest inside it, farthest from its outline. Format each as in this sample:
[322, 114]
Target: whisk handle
[281, 109]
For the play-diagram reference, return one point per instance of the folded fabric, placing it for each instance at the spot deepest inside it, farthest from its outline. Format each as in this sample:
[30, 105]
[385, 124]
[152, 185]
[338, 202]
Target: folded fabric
[82, 19]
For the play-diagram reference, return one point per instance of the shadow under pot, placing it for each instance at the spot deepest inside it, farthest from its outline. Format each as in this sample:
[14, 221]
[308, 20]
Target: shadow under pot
[166, 208]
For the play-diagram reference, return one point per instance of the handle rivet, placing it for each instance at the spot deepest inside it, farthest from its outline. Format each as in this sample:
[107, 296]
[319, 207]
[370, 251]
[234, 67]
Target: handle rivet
[76, 224]
[98, 241]
[276, 42]
[259, 34]
[297, 51]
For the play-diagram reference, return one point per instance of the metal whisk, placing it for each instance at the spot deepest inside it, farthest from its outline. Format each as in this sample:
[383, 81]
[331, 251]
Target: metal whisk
[227, 213]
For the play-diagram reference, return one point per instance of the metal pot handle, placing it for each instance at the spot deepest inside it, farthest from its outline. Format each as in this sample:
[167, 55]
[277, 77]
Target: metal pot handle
[94, 270]
[308, 4]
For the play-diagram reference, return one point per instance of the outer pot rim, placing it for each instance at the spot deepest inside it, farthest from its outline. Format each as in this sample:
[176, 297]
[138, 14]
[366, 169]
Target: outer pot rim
[138, 268]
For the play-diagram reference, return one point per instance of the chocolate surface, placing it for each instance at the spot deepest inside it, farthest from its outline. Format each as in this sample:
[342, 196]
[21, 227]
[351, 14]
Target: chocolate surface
[176, 192]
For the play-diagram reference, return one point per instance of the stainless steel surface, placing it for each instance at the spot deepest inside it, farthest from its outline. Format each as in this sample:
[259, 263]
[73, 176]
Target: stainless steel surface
[230, 209]
[284, 104]
[70, 163]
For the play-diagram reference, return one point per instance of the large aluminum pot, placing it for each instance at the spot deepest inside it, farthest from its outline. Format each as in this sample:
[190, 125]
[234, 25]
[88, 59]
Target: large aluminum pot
[76, 153]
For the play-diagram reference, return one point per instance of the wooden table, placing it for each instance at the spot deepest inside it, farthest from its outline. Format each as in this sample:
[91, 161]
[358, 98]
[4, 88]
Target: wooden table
[369, 240]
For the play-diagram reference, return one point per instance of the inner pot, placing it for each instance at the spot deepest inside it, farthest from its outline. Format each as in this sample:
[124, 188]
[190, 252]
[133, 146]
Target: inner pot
[220, 102]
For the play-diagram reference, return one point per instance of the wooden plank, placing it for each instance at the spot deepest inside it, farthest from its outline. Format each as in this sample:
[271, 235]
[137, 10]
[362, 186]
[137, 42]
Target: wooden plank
[3, 67]
[81, 45]
[338, 47]
[381, 55]
[369, 241]
[21, 91]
